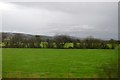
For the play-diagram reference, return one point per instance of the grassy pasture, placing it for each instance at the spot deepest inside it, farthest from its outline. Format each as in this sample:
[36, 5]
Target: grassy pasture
[0, 63]
[55, 63]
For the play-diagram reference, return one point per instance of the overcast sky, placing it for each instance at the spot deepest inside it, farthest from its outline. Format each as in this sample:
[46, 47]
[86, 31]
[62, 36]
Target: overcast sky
[80, 19]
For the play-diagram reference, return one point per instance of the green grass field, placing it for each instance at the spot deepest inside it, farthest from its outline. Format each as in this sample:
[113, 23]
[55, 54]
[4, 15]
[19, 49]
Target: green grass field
[55, 63]
[0, 63]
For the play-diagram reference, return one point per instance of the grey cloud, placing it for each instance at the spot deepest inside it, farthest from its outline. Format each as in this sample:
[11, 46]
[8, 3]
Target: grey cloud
[78, 19]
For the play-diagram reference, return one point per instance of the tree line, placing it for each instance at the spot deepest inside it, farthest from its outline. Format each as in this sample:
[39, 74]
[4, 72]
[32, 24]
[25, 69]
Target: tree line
[59, 41]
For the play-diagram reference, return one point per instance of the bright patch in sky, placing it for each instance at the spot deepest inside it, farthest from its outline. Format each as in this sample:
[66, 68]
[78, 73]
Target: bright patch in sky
[6, 6]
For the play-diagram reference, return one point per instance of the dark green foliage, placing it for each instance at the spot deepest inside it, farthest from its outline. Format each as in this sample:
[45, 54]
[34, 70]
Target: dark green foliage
[61, 40]
[24, 41]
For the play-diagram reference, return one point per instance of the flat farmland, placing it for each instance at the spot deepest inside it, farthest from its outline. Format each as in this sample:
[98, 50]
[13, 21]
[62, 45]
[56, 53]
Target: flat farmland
[55, 63]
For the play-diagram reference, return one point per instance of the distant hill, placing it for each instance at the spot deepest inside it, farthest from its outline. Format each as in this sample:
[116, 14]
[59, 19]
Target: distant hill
[8, 34]
[22, 40]
[44, 37]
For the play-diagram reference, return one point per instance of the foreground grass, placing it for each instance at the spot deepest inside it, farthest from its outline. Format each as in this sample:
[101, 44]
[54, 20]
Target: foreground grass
[55, 63]
[0, 63]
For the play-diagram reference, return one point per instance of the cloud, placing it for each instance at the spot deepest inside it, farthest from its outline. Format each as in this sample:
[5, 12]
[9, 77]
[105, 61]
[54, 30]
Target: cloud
[27, 19]
[77, 19]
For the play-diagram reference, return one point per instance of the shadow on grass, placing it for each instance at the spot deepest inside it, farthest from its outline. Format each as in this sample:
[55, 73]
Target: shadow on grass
[110, 69]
